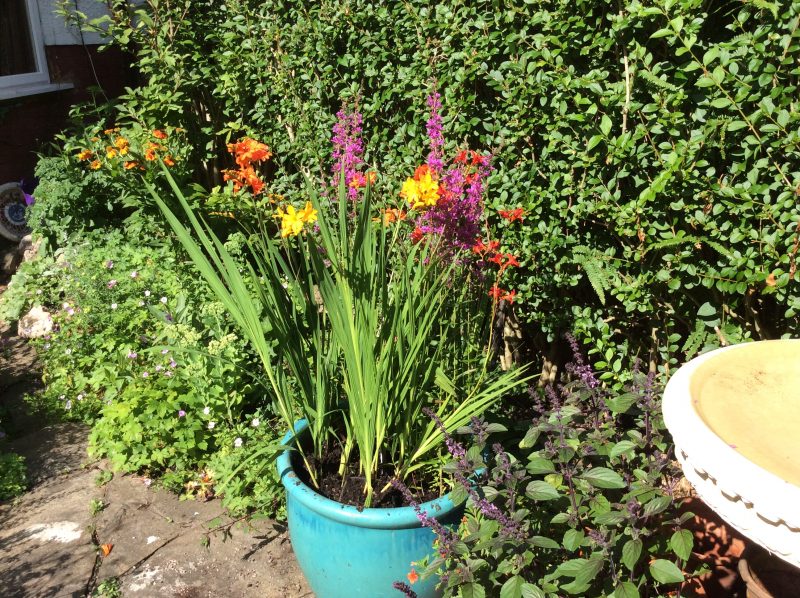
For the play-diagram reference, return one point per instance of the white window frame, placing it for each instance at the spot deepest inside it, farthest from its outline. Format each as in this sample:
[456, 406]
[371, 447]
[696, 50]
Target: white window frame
[37, 81]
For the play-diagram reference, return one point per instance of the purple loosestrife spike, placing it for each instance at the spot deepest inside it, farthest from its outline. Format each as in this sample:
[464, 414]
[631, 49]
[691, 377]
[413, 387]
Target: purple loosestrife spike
[348, 149]
[405, 588]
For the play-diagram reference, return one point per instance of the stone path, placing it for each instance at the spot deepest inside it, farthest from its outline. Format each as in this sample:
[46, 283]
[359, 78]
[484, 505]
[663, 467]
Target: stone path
[51, 541]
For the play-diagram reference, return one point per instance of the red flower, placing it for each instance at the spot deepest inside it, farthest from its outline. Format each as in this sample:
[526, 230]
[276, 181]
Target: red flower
[417, 235]
[413, 577]
[461, 157]
[479, 247]
[496, 293]
[493, 245]
[497, 258]
[478, 159]
[512, 215]
[509, 296]
[512, 261]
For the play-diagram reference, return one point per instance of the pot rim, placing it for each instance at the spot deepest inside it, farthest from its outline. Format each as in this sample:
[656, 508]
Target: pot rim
[375, 518]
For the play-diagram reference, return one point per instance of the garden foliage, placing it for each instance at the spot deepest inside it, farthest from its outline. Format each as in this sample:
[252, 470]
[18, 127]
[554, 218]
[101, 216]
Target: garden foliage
[651, 144]
[585, 504]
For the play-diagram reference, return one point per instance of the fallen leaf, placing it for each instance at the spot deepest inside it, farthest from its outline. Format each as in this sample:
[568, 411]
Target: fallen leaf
[106, 549]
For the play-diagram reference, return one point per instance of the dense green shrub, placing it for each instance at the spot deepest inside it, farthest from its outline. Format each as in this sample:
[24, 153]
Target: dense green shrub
[652, 145]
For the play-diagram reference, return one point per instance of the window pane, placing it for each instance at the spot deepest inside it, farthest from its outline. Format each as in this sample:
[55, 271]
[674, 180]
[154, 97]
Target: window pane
[16, 48]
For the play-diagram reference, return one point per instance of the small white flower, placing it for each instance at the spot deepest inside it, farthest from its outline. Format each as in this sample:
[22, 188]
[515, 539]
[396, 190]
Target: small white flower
[113, 306]
[141, 303]
[147, 293]
[67, 351]
[65, 306]
[80, 396]
[68, 406]
[159, 368]
[255, 423]
[211, 425]
[147, 482]
[163, 300]
[206, 410]
[134, 274]
[237, 443]
[145, 374]
[38, 291]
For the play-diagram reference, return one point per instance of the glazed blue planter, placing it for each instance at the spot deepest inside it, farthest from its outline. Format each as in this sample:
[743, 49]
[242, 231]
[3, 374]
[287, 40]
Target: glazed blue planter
[347, 553]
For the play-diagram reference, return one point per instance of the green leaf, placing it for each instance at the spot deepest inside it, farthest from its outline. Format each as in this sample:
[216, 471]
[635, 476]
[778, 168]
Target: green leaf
[540, 465]
[512, 588]
[721, 103]
[623, 446]
[531, 591]
[631, 551]
[706, 310]
[573, 538]
[664, 571]
[605, 125]
[602, 477]
[539, 490]
[682, 542]
[544, 542]
[657, 505]
[626, 590]
[622, 403]
[472, 590]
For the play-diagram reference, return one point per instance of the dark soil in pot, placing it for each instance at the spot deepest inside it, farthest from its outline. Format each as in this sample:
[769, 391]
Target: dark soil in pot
[350, 489]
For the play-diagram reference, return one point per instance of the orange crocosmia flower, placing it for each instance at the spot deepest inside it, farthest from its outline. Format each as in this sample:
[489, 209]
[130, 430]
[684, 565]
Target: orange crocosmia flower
[95, 165]
[496, 292]
[479, 247]
[512, 215]
[478, 159]
[422, 171]
[461, 157]
[85, 155]
[512, 261]
[493, 245]
[358, 181]
[249, 150]
[159, 134]
[509, 296]
[130, 164]
[391, 215]
[497, 259]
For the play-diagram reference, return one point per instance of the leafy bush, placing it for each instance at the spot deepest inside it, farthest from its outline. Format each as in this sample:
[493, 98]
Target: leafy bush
[96, 180]
[13, 475]
[585, 505]
[651, 145]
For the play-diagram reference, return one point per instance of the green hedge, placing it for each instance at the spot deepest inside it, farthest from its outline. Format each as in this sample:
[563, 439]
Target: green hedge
[652, 144]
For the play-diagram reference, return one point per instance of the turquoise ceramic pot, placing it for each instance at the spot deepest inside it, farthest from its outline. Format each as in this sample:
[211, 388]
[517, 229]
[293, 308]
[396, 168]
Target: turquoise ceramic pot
[347, 553]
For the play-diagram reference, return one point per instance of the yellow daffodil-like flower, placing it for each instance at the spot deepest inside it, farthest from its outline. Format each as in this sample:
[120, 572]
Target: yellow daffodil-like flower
[308, 214]
[422, 191]
[292, 221]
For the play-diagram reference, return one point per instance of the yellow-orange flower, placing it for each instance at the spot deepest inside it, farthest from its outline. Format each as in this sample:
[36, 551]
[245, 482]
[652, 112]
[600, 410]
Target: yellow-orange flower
[122, 145]
[150, 151]
[95, 165]
[130, 164]
[421, 191]
[159, 134]
[110, 131]
[85, 155]
[168, 160]
[110, 152]
[249, 150]
[292, 221]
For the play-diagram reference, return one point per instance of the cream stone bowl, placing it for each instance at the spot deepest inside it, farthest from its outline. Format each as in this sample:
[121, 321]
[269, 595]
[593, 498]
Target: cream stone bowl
[734, 415]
